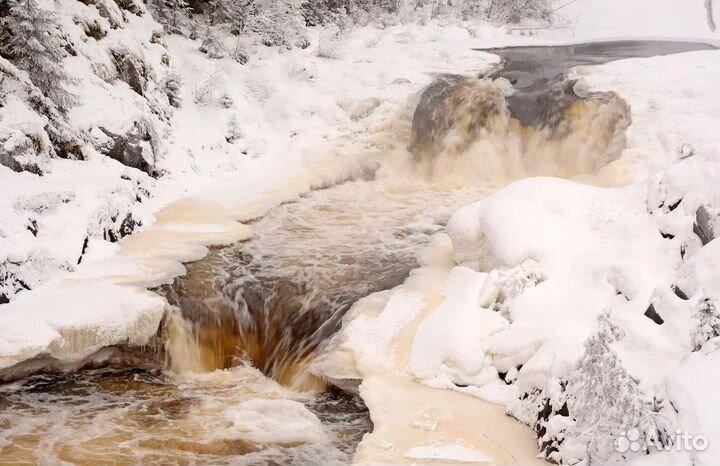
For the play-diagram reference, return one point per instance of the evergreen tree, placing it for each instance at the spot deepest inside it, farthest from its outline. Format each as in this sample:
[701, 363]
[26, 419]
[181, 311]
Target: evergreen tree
[604, 399]
[35, 45]
[278, 22]
[708, 323]
[234, 133]
[172, 14]
[212, 44]
[231, 13]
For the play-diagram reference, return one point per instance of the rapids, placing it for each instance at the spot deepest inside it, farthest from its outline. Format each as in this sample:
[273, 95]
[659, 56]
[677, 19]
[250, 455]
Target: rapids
[249, 317]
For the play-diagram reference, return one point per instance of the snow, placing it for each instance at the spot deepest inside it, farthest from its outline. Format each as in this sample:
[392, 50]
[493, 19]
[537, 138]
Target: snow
[691, 389]
[274, 421]
[437, 357]
[128, 316]
[592, 19]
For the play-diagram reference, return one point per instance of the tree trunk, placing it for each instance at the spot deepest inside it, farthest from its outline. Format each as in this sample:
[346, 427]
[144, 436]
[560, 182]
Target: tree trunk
[710, 18]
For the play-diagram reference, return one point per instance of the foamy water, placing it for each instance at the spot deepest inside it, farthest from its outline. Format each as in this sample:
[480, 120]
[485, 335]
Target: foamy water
[137, 416]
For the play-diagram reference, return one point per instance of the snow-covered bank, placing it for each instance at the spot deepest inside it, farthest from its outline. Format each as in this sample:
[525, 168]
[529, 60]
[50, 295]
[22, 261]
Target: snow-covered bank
[412, 421]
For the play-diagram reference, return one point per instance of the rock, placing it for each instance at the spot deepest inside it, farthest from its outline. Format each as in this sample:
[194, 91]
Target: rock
[158, 37]
[466, 107]
[132, 149]
[130, 70]
[680, 293]
[651, 314]
[704, 226]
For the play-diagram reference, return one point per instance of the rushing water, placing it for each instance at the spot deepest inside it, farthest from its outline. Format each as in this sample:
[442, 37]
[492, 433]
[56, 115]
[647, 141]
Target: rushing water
[146, 416]
[268, 303]
[249, 317]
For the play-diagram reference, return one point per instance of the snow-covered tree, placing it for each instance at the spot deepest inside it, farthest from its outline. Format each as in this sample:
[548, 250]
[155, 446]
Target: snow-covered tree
[604, 399]
[230, 12]
[710, 16]
[278, 22]
[212, 44]
[234, 133]
[513, 11]
[172, 14]
[33, 42]
[708, 323]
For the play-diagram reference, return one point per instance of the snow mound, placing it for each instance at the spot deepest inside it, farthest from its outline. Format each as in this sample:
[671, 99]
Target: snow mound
[102, 314]
[274, 421]
[442, 361]
[601, 241]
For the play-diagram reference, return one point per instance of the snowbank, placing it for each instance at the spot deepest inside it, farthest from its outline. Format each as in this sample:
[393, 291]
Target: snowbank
[102, 314]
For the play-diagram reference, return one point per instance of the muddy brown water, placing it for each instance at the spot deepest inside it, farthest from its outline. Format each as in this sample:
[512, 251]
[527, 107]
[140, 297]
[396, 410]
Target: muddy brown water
[251, 316]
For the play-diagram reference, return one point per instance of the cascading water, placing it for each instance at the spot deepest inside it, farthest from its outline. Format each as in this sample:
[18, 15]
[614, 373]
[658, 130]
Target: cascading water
[230, 380]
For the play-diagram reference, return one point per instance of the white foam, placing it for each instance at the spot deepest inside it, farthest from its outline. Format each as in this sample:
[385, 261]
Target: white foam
[274, 421]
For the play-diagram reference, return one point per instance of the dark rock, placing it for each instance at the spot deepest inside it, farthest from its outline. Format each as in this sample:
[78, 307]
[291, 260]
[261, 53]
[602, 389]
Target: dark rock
[667, 235]
[680, 293]
[652, 314]
[130, 149]
[564, 411]
[131, 71]
[703, 226]
[33, 227]
[128, 225]
[674, 205]
[84, 248]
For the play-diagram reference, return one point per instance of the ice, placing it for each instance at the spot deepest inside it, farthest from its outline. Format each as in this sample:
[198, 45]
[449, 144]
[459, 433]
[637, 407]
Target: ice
[274, 421]
[103, 314]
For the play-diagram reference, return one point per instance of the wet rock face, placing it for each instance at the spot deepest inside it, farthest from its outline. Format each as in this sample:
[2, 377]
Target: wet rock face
[454, 104]
[132, 149]
[485, 128]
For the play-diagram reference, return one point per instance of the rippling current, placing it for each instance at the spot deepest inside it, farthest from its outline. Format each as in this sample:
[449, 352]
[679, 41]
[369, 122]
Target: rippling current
[249, 318]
